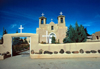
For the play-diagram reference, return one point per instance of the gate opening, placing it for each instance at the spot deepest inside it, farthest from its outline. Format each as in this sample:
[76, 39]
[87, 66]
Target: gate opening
[21, 46]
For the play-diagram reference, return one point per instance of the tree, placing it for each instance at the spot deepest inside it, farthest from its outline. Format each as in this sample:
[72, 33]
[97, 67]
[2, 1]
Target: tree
[21, 41]
[76, 34]
[25, 40]
[17, 31]
[58, 41]
[4, 32]
[87, 32]
[16, 41]
[71, 34]
[53, 40]
[66, 40]
[1, 40]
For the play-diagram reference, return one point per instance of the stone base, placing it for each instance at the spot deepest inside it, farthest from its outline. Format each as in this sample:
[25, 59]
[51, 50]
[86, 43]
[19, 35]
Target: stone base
[65, 55]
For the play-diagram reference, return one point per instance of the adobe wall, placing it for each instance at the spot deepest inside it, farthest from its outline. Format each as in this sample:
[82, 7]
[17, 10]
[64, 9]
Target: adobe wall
[7, 45]
[86, 46]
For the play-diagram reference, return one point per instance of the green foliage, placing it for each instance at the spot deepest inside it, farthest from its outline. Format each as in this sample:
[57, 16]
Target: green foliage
[16, 41]
[1, 40]
[53, 40]
[76, 34]
[25, 40]
[21, 41]
[87, 32]
[17, 31]
[58, 41]
[4, 31]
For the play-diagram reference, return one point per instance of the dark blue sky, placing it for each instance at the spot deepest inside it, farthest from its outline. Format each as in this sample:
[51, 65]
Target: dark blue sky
[14, 13]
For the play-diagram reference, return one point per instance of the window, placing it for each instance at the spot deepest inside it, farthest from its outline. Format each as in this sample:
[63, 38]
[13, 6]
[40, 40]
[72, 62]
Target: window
[61, 20]
[52, 28]
[41, 21]
[97, 37]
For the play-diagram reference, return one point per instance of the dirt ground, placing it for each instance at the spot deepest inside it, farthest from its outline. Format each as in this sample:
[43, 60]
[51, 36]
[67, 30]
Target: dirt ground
[25, 62]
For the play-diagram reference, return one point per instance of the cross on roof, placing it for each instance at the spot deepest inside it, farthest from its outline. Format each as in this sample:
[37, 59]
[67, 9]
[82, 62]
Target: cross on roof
[21, 28]
[61, 13]
[42, 14]
[51, 20]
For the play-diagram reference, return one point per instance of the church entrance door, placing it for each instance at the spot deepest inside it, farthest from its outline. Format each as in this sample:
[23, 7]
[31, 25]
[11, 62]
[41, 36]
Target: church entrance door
[50, 37]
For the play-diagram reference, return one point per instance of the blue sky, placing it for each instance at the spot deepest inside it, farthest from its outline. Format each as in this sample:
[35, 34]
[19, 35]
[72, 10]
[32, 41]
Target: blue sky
[14, 13]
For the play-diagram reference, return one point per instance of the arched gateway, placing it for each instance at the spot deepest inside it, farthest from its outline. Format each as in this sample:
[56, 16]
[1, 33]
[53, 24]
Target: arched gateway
[50, 36]
[7, 41]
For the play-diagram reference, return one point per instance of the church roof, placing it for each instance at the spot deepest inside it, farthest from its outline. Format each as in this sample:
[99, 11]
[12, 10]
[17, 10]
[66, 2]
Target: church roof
[42, 17]
[97, 33]
[60, 16]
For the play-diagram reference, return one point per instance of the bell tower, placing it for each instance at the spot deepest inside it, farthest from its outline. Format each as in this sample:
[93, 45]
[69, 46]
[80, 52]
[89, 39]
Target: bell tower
[61, 20]
[42, 20]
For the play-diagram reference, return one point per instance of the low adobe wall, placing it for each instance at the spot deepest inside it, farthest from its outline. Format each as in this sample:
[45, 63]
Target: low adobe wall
[91, 55]
[86, 46]
[7, 45]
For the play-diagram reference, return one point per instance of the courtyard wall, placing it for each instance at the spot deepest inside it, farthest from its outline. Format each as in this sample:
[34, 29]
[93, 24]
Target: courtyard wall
[86, 46]
[35, 45]
[7, 45]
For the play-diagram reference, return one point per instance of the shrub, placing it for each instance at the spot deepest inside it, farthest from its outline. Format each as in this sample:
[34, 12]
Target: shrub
[53, 40]
[58, 42]
[40, 51]
[61, 51]
[43, 42]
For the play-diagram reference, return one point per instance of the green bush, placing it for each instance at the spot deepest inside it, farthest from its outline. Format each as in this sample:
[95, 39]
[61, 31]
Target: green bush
[53, 40]
[75, 34]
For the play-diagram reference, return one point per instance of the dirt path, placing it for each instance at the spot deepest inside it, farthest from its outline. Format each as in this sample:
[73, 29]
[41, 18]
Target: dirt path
[20, 62]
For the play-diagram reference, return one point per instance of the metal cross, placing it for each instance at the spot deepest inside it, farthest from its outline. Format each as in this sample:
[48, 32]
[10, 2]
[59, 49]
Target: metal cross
[42, 14]
[51, 20]
[61, 13]
[21, 28]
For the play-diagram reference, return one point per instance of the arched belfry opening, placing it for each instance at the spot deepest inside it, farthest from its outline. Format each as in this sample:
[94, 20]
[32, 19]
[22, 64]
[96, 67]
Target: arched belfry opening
[61, 20]
[42, 21]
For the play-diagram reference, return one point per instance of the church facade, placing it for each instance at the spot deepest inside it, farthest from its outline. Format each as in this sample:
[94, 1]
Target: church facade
[46, 31]
[96, 36]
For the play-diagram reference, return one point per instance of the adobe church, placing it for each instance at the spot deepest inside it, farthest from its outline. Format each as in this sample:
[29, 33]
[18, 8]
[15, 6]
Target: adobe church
[46, 31]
